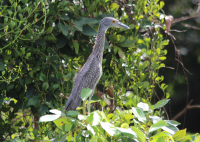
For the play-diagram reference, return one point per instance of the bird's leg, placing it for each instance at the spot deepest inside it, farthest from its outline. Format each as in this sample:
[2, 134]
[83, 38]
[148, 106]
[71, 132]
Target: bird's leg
[88, 105]
[84, 104]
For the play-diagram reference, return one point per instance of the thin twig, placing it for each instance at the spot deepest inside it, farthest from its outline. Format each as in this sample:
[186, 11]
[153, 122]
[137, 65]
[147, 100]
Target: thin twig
[183, 66]
[184, 18]
[190, 26]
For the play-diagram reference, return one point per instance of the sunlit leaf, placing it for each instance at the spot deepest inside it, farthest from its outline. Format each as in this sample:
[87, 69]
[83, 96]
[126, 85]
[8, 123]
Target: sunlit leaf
[48, 117]
[143, 106]
[63, 124]
[158, 125]
[114, 6]
[160, 104]
[73, 113]
[140, 135]
[139, 114]
[109, 128]
[55, 111]
[85, 93]
[127, 132]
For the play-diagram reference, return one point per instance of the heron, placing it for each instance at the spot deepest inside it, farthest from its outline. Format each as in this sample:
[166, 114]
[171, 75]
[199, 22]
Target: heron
[90, 73]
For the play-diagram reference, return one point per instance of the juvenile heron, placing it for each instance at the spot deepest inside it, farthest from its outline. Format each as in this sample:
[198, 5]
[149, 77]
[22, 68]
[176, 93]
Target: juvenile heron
[91, 72]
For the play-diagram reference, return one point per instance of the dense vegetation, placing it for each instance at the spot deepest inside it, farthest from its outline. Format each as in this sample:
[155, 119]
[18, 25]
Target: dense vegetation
[43, 44]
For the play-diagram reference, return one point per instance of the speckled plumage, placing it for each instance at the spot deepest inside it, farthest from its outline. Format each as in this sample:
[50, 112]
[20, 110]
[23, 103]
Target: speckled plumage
[90, 74]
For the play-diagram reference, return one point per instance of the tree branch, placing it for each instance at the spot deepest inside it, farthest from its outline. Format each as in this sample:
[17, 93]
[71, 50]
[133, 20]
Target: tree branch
[188, 107]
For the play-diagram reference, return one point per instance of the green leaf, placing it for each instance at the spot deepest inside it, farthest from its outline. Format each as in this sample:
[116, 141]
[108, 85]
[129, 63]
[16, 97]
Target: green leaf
[122, 55]
[87, 2]
[78, 24]
[63, 29]
[165, 42]
[5, 20]
[63, 124]
[53, 9]
[140, 135]
[73, 113]
[61, 42]
[28, 80]
[59, 75]
[139, 114]
[175, 123]
[155, 66]
[162, 58]
[154, 119]
[85, 93]
[127, 43]
[33, 101]
[2, 65]
[125, 125]
[89, 31]
[79, 27]
[80, 21]
[90, 21]
[43, 109]
[109, 128]
[30, 90]
[114, 6]
[158, 125]
[64, 16]
[127, 132]
[128, 116]
[170, 128]
[55, 86]
[160, 104]
[76, 46]
[50, 38]
[161, 4]
[42, 77]
[68, 75]
[145, 84]
[45, 86]
[10, 86]
[12, 24]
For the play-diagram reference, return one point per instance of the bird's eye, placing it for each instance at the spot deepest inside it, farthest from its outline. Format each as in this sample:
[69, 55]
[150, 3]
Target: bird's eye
[113, 21]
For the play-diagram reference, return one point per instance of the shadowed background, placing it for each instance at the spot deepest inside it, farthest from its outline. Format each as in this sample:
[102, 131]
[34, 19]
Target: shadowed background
[188, 43]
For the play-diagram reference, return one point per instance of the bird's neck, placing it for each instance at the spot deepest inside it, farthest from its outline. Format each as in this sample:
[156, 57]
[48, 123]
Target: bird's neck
[98, 47]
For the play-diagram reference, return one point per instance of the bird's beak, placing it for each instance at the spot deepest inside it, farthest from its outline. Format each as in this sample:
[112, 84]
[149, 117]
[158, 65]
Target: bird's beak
[121, 25]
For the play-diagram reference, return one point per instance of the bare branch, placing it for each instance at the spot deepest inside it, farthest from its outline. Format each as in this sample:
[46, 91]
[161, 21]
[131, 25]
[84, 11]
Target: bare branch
[183, 66]
[190, 26]
[188, 107]
[184, 18]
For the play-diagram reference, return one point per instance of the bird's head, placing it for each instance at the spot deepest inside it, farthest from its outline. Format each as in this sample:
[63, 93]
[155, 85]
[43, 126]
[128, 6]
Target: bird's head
[108, 22]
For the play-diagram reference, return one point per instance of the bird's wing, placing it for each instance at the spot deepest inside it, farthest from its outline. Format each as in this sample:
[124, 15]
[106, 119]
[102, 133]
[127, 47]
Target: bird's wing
[87, 77]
